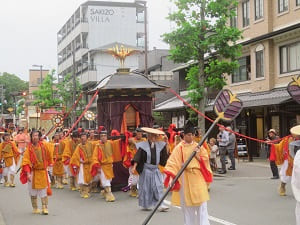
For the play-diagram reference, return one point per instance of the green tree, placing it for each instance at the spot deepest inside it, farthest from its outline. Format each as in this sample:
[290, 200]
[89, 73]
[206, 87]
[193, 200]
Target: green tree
[203, 36]
[65, 91]
[45, 94]
[11, 83]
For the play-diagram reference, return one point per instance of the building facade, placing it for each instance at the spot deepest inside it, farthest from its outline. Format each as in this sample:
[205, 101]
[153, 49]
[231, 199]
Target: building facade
[36, 77]
[95, 27]
[270, 58]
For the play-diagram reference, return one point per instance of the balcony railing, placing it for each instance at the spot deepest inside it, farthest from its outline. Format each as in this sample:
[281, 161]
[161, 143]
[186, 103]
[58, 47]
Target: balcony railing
[70, 29]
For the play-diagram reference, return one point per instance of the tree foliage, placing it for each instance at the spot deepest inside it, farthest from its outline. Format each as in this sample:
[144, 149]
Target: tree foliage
[11, 83]
[65, 91]
[203, 35]
[45, 95]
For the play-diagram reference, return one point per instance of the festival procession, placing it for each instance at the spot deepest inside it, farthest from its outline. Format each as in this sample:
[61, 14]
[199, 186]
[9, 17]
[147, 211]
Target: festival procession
[150, 112]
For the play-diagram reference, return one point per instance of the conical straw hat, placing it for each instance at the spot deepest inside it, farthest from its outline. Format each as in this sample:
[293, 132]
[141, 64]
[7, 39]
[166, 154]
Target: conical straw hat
[295, 130]
[152, 130]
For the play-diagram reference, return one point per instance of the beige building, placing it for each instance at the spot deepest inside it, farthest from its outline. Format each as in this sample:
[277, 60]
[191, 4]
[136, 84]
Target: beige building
[35, 81]
[31, 114]
[270, 58]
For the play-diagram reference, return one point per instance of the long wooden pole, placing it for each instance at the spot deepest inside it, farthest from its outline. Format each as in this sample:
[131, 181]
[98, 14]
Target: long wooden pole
[146, 221]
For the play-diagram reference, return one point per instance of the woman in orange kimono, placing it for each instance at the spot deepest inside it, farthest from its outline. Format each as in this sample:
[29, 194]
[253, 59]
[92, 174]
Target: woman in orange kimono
[9, 154]
[35, 166]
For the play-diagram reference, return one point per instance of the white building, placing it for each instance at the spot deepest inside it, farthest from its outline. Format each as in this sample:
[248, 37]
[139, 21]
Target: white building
[93, 28]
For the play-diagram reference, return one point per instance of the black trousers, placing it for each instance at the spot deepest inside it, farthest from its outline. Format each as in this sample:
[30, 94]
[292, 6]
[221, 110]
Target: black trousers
[274, 168]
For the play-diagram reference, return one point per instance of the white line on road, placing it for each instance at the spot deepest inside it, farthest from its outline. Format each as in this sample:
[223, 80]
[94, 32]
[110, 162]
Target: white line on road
[212, 218]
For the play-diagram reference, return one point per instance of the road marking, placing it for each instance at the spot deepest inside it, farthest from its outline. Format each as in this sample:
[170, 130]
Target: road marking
[212, 218]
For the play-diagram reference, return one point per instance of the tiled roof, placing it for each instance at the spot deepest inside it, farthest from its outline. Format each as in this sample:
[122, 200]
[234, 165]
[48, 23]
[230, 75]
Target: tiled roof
[127, 81]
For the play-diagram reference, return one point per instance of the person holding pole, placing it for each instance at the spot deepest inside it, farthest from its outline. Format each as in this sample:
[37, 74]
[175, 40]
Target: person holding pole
[190, 191]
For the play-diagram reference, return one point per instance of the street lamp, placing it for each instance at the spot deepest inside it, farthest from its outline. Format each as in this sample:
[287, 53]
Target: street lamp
[41, 70]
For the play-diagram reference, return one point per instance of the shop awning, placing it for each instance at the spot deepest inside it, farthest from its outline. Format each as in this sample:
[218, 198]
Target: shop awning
[273, 97]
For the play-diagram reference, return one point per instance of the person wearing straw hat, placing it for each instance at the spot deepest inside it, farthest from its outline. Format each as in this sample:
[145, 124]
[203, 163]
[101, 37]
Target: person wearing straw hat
[191, 190]
[149, 155]
[280, 154]
[272, 136]
[10, 155]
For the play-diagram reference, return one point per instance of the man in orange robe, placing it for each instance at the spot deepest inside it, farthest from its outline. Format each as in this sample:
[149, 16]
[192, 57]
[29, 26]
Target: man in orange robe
[128, 161]
[10, 155]
[69, 149]
[58, 168]
[37, 158]
[80, 165]
[102, 165]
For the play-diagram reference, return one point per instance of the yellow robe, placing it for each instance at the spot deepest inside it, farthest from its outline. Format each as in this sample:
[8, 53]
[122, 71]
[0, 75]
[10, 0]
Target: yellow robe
[57, 152]
[69, 149]
[38, 161]
[83, 154]
[8, 152]
[103, 157]
[195, 187]
[131, 151]
[280, 154]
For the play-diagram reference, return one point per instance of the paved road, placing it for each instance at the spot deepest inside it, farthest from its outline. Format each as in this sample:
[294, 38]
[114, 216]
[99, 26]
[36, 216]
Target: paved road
[244, 197]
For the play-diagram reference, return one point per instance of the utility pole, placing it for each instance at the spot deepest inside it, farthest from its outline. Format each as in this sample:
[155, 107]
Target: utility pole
[2, 102]
[74, 87]
[2, 99]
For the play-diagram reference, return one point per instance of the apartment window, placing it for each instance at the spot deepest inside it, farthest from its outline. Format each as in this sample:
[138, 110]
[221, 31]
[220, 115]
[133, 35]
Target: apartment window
[246, 9]
[259, 56]
[140, 15]
[243, 72]
[259, 9]
[140, 39]
[233, 20]
[290, 58]
[297, 2]
[282, 6]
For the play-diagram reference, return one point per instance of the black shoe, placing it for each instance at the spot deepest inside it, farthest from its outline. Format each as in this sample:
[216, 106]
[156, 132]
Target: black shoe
[222, 172]
[275, 177]
[230, 168]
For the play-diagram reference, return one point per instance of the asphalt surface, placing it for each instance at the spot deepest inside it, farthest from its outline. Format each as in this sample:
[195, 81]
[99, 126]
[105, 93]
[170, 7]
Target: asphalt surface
[246, 196]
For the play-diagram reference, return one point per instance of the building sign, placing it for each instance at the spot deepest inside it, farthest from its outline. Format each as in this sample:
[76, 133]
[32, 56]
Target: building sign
[111, 24]
[101, 15]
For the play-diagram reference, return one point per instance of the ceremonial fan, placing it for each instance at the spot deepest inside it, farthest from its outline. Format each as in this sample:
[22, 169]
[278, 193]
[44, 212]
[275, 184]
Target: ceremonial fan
[89, 115]
[58, 120]
[227, 107]
[293, 89]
